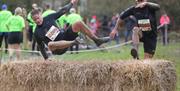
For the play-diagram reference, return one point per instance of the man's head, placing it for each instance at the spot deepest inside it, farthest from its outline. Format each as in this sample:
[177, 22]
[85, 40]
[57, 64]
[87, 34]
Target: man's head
[47, 6]
[72, 10]
[37, 16]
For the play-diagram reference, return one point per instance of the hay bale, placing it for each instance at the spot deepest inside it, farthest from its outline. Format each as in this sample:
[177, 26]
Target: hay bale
[166, 74]
[88, 76]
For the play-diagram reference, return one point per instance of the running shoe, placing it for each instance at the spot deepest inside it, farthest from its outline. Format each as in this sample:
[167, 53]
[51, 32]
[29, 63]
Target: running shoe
[100, 41]
[134, 53]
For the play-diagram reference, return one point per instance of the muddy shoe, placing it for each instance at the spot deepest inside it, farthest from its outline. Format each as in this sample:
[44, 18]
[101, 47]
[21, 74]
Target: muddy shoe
[100, 41]
[134, 53]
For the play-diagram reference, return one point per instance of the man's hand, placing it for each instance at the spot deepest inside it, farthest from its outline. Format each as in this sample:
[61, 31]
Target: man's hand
[74, 1]
[141, 5]
[113, 33]
[48, 59]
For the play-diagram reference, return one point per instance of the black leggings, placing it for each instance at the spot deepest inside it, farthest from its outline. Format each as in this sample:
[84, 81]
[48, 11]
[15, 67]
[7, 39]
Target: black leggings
[5, 36]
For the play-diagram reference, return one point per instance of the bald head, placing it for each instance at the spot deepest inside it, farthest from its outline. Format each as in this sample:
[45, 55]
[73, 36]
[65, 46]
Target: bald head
[34, 6]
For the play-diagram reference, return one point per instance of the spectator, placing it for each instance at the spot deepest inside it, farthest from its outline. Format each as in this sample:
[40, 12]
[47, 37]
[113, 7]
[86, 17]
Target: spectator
[4, 15]
[93, 24]
[164, 27]
[97, 21]
[105, 24]
[130, 23]
[31, 28]
[62, 21]
[112, 25]
[48, 10]
[15, 25]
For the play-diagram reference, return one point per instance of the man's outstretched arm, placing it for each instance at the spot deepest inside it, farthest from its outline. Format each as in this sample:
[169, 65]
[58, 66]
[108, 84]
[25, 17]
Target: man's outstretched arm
[150, 4]
[153, 5]
[65, 9]
[41, 47]
[115, 30]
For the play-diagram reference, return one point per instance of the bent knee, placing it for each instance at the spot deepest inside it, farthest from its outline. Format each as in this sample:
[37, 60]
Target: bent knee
[137, 32]
[77, 26]
[51, 45]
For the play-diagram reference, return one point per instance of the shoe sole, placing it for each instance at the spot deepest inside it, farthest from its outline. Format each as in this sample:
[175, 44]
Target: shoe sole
[105, 40]
[134, 54]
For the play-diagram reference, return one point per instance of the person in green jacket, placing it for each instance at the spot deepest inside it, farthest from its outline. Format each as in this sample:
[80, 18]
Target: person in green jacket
[31, 22]
[48, 10]
[15, 25]
[4, 15]
[32, 26]
[73, 17]
[62, 21]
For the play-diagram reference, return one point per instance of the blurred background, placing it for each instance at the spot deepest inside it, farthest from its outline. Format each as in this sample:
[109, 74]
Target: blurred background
[100, 7]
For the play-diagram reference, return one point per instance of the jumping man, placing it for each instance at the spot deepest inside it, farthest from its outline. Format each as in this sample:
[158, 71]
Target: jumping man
[145, 29]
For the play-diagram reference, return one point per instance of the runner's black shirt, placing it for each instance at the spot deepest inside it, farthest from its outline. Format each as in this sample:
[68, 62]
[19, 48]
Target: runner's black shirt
[146, 12]
[48, 22]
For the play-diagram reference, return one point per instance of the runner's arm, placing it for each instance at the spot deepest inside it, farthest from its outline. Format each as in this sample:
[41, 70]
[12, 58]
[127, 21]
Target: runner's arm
[62, 11]
[115, 30]
[119, 24]
[120, 21]
[41, 47]
[153, 5]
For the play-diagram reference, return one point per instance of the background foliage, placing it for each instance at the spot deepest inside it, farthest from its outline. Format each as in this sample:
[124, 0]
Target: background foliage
[105, 7]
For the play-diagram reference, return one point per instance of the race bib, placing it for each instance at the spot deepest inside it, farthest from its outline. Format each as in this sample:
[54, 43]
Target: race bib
[145, 24]
[52, 33]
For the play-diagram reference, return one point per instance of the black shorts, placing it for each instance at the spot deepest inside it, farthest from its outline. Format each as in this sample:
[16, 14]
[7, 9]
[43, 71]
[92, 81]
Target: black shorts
[149, 42]
[67, 35]
[164, 27]
[15, 38]
[30, 33]
[4, 34]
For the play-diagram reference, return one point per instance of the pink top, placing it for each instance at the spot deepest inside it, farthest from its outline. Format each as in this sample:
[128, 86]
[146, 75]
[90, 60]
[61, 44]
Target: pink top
[164, 20]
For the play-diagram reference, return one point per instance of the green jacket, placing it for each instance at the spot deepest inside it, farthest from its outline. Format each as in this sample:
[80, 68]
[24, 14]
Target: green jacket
[48, 12]
[62, 20]
[30, 20]
[4, 15]
[15, 23]
[73, 18]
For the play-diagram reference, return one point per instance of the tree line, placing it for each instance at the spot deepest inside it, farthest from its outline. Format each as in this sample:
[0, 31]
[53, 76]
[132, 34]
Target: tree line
[107, 7]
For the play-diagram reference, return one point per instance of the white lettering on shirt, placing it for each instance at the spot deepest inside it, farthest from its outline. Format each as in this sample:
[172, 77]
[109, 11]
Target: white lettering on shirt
[144, 24]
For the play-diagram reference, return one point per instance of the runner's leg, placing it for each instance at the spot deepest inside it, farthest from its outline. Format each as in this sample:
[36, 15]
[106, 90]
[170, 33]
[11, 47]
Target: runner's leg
[82, 27]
